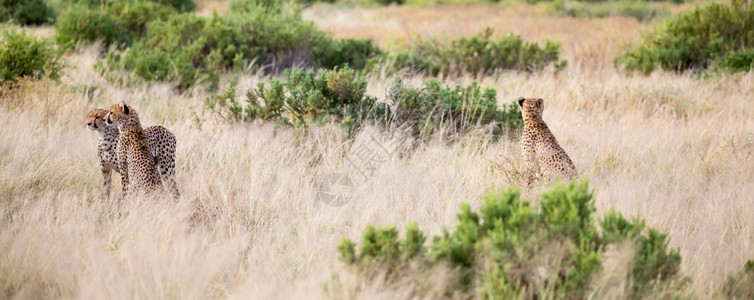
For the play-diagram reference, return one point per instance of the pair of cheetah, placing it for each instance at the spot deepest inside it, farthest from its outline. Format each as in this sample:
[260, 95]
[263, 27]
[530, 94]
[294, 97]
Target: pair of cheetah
[543, 157]
[145, 158]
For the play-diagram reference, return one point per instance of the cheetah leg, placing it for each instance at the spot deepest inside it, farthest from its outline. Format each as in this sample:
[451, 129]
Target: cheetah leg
[107, 175]
[167, 173]
[531, 168]
[123, 165]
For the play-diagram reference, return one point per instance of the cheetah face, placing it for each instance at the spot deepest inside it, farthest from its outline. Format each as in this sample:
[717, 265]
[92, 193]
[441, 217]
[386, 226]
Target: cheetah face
[117, 115]
[96, 120]
[531, 106]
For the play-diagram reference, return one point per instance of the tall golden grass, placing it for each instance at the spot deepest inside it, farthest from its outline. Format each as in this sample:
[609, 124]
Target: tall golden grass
[676, 150]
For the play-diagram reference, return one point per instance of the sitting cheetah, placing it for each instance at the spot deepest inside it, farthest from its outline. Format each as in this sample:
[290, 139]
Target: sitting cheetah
[162, 144]
[135, 162]
[543, 156]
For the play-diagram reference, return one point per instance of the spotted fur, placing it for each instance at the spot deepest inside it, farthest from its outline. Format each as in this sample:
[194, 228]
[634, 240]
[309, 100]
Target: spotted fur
[543, 157]
[162, 145]
[136, 164]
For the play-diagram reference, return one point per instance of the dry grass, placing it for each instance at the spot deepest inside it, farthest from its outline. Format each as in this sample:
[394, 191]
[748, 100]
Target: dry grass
[588, 43]
[673, 149]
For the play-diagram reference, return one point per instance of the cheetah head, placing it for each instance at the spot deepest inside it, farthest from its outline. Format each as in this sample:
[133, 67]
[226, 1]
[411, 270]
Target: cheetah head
[531, 107]
[96, 120]
[117, 115]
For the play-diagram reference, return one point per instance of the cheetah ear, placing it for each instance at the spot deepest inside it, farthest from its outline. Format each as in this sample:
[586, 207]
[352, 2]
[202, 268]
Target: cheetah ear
[541, 101]
[125, 107]
[521, 101]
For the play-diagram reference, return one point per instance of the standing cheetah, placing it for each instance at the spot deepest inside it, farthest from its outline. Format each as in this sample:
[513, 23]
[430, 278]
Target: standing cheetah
[543, 156]
[162, 144]
[135, 162]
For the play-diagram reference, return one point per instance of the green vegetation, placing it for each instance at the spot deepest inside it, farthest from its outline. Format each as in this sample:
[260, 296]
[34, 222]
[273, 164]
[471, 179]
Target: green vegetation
[510, 250]
[716, 34]
[741, 285]
[178, 5]
[22, 55]
[478, 55]
[189, 49]
[640, 10]
[305, 98]
[26, 12]
[116, 23]
[453, 110]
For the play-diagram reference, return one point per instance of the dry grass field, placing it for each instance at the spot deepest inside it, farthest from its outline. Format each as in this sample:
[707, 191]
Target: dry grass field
[677, 150]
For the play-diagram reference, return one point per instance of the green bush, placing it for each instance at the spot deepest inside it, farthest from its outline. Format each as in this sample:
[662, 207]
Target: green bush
[508, 249]
[190, 49]
[26, 12]
[452, 110]
[698, 39]
[116, 23]
[737, 61]
[22, 55]
[178, 5]
[354, 53]
[388, 2]
[741, 285]
[302, 100]
[305, 98]
[640, 10]
[478, 55]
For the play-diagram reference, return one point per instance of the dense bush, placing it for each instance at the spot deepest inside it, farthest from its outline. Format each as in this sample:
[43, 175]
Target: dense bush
[478, 55]
[741, 61]
[305, 98]
[190, 49]
[178, 5]
[22, 55]
[436, 108]
[117, 23]
[510, 250]
[354, 53]
[26, 12]
[388, 2]
[717, 33]
[640, 10]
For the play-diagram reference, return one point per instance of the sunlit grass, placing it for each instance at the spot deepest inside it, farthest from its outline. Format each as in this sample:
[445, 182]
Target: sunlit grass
[676, 150]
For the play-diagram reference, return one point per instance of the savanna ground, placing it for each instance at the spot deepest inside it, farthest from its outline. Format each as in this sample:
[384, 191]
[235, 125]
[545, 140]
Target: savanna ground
[674, 149]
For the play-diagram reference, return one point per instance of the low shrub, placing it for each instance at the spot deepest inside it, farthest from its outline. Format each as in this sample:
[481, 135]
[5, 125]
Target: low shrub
[436, 108]
[115, 23]
[22, 55]
[178, 5]
[740, 61]
[507, 249]
[305, 98]
[741, 285]
[26, 12]
[478, 55]
[354, 53]
[302, 99]
[640, 10]
[190, 49]
[717, 33]
[388, 2]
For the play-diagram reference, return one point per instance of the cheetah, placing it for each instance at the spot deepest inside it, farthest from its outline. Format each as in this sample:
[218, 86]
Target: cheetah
[543, 156]
[135, 162]
[162, 144]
